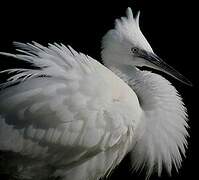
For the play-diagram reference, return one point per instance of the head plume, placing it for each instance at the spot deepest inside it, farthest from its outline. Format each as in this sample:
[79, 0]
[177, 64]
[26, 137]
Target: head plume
[123, 37]
[128, 24]
[129, 29]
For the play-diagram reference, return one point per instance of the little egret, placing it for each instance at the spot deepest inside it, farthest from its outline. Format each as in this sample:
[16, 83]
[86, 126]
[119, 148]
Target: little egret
[72, 118]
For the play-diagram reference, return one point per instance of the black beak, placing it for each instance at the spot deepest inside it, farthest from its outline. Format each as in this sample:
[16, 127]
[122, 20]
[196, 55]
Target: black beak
[159, 64]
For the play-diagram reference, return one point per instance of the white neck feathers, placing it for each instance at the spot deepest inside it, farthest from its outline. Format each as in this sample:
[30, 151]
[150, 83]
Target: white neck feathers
[160, 138]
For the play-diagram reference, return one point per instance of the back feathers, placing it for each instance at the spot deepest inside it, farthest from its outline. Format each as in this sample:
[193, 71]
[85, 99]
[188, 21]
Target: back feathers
[52, 61]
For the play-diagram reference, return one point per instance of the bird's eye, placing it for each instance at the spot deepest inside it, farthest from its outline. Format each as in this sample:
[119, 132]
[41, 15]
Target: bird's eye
[134, 50]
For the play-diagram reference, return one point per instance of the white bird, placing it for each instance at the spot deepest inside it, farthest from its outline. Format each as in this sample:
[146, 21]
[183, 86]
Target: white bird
[72, 117]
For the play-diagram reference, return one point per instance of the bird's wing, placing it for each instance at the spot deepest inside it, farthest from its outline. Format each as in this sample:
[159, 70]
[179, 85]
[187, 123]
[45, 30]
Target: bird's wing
[67, 109]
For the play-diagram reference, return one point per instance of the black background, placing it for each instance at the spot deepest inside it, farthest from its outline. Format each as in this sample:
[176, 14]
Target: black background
[168, 25]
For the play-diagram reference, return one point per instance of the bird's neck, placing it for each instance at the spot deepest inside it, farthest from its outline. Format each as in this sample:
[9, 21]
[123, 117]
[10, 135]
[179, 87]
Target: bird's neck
[150, 88]
[161, 134]
[142, 84]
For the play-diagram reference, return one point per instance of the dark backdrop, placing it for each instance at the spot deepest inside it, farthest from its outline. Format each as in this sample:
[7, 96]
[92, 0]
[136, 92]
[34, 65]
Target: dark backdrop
[168, 26]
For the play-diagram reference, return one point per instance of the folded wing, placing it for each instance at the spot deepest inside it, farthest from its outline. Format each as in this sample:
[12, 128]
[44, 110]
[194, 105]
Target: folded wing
[67, 110]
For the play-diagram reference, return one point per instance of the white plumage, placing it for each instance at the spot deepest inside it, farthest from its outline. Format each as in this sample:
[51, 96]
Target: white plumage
[72, 117]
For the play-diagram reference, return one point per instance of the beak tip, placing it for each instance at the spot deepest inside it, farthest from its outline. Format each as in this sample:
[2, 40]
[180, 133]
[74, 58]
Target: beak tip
[190, 84]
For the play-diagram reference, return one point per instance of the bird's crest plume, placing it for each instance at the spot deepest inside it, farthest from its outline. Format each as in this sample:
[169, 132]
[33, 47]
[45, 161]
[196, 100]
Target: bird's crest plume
[124, 36]
[129, 29]
[129, 20]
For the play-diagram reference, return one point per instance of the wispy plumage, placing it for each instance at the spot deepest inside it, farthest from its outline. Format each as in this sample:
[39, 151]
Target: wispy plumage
[72, 117]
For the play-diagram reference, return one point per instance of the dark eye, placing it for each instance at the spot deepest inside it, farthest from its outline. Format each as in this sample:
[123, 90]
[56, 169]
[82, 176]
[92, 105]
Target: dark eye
[134, 50]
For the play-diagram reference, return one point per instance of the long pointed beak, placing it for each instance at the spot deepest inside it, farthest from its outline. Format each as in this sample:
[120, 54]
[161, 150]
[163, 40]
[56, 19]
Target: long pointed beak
[159, 64]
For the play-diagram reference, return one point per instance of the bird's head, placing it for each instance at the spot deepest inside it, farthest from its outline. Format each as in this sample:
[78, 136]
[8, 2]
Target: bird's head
[126, 45]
